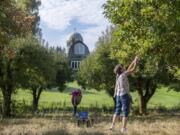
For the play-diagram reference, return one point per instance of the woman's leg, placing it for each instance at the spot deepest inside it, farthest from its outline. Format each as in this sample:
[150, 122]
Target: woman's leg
[117, 111]
[125, 100]
[113, 121]
[114, 116]
[124, 121]
[74, 109]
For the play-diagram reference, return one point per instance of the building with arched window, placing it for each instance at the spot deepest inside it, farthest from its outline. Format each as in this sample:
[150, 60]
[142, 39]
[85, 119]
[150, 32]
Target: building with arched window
[77, 50]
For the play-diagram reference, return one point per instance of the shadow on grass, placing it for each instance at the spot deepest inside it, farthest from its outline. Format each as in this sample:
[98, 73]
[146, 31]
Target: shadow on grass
[91, 92]
[68, 90]
[14, 121]
[64, 132]
[91, 133]
[57, 132]
[152, 119]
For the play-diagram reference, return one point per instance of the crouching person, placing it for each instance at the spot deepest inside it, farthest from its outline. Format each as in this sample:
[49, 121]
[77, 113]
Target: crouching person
[76, 100]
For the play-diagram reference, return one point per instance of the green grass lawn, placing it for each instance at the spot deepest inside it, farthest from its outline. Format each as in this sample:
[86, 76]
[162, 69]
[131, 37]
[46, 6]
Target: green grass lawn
[49, 97]
[93, 98]
[163, 97]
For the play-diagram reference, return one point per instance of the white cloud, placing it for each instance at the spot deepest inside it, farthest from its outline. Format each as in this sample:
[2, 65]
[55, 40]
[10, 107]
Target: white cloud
[58, 14]
[91, 35]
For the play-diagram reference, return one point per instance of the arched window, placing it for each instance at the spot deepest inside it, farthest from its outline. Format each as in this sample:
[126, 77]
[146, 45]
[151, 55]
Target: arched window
[79, 49]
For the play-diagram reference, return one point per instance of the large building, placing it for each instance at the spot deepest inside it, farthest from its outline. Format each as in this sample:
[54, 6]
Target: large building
[77, 50]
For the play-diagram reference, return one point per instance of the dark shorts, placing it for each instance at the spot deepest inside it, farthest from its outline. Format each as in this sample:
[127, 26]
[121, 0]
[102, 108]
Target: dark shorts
[122, 105]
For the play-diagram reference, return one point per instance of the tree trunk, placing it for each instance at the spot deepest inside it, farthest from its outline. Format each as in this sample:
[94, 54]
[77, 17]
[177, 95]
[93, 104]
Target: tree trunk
[144, 97]
[6, 103]
[35, 104]
[36, 95]
[142, 106]
[7, 89]
[140, 94]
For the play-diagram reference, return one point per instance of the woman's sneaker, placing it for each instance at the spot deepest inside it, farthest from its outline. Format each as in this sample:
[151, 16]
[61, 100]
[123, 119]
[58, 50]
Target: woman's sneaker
[123, 130]
[112, 127]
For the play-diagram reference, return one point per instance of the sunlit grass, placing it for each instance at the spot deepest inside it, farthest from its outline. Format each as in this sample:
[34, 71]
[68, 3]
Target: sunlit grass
[162, 97]
[66, 125]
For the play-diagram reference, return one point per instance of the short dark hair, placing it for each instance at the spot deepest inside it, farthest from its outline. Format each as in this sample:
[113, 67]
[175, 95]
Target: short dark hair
[118, 69]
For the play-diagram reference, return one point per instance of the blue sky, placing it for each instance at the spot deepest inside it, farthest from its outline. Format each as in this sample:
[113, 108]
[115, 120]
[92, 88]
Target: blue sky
[59, 18]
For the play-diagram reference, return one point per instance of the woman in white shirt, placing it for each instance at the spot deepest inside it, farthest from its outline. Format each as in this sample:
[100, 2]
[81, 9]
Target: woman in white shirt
[122, 93]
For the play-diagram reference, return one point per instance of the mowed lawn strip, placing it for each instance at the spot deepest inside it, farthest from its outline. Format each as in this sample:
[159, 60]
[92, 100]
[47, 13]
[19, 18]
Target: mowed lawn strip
[91, 98]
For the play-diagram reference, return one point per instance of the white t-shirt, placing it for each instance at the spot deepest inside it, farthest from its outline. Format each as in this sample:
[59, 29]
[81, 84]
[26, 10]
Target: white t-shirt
[122, 84]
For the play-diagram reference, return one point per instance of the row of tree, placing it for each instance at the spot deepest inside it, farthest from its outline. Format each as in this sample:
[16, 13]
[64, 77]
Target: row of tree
[25, 62]
[149, 29]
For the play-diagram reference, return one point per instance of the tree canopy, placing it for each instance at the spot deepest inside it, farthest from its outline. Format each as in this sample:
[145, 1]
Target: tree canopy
[149, 29]
[145, 26]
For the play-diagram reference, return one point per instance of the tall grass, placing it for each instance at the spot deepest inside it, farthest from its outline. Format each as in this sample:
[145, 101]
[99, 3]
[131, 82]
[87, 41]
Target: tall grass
[66, 125]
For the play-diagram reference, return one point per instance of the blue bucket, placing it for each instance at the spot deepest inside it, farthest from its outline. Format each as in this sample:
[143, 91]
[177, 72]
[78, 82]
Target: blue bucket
[83, 115]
